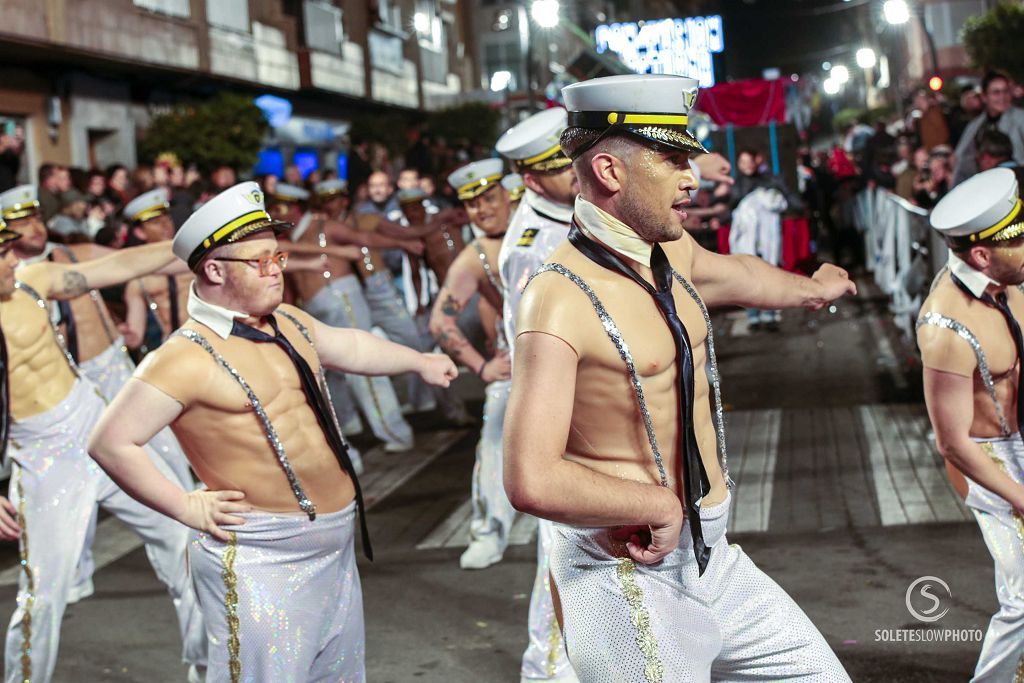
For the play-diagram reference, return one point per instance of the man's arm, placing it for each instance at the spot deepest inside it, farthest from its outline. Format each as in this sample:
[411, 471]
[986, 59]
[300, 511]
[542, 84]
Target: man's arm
[136, 414]
[134, 326]
[363, 353]
[460, 285]
[950, 401]
[348, 252]
[68, 280]
[742, 280]
[343, 233]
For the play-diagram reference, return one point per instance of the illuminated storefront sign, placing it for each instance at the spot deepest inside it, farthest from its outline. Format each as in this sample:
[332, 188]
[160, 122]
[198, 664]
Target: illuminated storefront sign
[682, 47]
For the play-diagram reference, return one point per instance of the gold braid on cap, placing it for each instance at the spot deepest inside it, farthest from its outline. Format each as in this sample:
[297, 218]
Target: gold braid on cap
[552, 159]
[1010, 227]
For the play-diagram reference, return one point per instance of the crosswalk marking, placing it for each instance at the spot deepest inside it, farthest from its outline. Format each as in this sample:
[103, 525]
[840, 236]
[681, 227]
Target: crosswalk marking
[385, 472]
[752, 440]
[453, 532]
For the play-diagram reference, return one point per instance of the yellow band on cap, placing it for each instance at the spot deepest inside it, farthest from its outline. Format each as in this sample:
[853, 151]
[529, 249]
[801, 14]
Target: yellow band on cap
[466, 191]
[16, 211]
[989, 232]
[547, 154]
[151, 212]
[227, 229]
[648, 119]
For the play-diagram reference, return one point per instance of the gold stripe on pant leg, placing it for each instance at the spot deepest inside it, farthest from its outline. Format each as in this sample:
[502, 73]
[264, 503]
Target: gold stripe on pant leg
[654, 670]
[231, 606]
[30, 598]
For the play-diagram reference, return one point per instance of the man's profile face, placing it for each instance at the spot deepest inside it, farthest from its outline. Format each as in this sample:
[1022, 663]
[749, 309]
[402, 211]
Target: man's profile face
[559, 187]
[747, 164]
[378, 187]
[8, 262]
[490, 211]
[336, 205]
[655, 193]
[33, 235]
[415, 213]
[157, 229]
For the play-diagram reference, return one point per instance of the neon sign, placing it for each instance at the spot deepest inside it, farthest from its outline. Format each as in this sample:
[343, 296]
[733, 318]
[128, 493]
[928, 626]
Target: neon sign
[681, 47]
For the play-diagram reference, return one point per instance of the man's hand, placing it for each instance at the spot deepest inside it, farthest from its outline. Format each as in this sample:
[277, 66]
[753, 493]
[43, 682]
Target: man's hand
[714, 167]
[438, 369]
[835, 282]
[652, 543]
[497, 368]
[9, 528]
[413, 247]
[207, 510]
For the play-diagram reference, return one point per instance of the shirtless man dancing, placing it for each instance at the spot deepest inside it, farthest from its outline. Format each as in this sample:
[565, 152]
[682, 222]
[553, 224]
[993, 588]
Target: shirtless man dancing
[55, 487]
[971, 350]
[611, 330]
[475, 270]
[242, 387]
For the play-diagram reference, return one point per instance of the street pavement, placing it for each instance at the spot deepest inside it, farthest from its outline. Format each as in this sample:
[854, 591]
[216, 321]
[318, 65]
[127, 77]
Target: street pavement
[840, 498]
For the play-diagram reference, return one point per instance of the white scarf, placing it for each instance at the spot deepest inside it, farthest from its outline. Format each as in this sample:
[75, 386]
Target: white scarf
[217, 318]
[613, 233]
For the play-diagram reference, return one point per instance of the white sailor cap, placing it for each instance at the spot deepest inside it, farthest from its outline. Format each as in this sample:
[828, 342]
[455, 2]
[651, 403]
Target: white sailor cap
[235, 213]
[289, 193]
[513, 182]
[412, 195]
[475, 178]
[652, 107]
[326, 189]
[19, 202]
[983, 208]
[7, 235]
[532, 144]
[146, 206]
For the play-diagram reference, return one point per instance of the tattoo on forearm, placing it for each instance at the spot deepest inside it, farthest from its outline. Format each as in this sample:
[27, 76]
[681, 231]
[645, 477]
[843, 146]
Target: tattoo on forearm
[452, 341]
[452, 306]
[74, 284]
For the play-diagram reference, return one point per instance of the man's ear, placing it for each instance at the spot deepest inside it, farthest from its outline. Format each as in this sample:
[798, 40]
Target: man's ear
[214, 271]
[608, 171]
[980, 257]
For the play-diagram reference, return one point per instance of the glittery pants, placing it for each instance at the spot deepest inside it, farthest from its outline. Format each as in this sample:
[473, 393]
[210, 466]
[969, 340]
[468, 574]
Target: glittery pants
[545, 657]
[56, 486]
[283, 601]
[1002, 654]
[492, 513]
[626, 622]
[342, 304]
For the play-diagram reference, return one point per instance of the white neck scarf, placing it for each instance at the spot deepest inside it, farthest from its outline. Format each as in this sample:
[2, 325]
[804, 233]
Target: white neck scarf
[975, 280]
[217, 318]
[613, 233]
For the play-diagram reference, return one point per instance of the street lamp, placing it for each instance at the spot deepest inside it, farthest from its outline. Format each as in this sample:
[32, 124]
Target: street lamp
[896, 11]
[866, 58]
[840, 74]
[545, 13]
[831, 86]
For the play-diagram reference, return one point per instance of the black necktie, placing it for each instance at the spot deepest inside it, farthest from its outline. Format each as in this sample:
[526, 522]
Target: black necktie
[172, 294]
[320, 407]
[5, 396]
[695, 477]
[999, 303]
[70, 332]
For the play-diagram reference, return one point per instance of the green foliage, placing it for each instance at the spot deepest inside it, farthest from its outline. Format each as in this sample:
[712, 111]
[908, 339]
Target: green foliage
[845, 117]
[228, 129]
[388, 129]
[472, 122]
[991, 39]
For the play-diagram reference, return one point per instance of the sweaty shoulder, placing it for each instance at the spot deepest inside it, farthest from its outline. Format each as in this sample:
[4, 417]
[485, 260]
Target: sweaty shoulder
[554, 305]
[37, 276]
[300, 315]
[179, 368]
[942, 348]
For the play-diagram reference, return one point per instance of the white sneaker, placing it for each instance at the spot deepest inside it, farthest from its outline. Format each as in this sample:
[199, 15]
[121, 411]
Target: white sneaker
[399, 446]
[196, 673]
[80, 591]
[482, 553]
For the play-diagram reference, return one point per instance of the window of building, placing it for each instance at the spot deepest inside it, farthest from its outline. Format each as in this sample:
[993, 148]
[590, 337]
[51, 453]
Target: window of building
[229, 14]
[430, 29]
[504, 59]
[174, 8]
[389, 15]
[324, 28]
[385, 52]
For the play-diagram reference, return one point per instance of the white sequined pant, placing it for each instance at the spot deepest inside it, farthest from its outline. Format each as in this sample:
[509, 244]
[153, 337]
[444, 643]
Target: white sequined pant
[492, 513]
[282, 601]
[626, 622]
[545, 657]
[342, 304]
[56, 487]
[1002, 654]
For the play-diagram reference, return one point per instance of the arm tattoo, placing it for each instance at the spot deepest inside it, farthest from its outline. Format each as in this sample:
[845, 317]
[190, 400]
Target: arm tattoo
[452, 341]
[452, 306]
[74, 284]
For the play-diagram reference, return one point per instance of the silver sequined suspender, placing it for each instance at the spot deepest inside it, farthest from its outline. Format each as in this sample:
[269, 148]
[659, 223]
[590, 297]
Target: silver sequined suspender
[716, 379]
[488, 271]
[304, 502]
[41, 302]
[939, 320]
[620, 344]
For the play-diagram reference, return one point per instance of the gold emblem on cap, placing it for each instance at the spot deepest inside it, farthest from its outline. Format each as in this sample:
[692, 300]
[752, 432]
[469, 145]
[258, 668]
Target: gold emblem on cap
[690, 97]
[256, 197]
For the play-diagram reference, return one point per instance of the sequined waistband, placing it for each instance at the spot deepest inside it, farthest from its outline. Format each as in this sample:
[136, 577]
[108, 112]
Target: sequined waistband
[260, 522]
[1006, 448]
[83, 404]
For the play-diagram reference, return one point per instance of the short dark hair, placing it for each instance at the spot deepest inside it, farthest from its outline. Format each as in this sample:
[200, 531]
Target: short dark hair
[46, 171]
[992, 76]
[995, 143]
